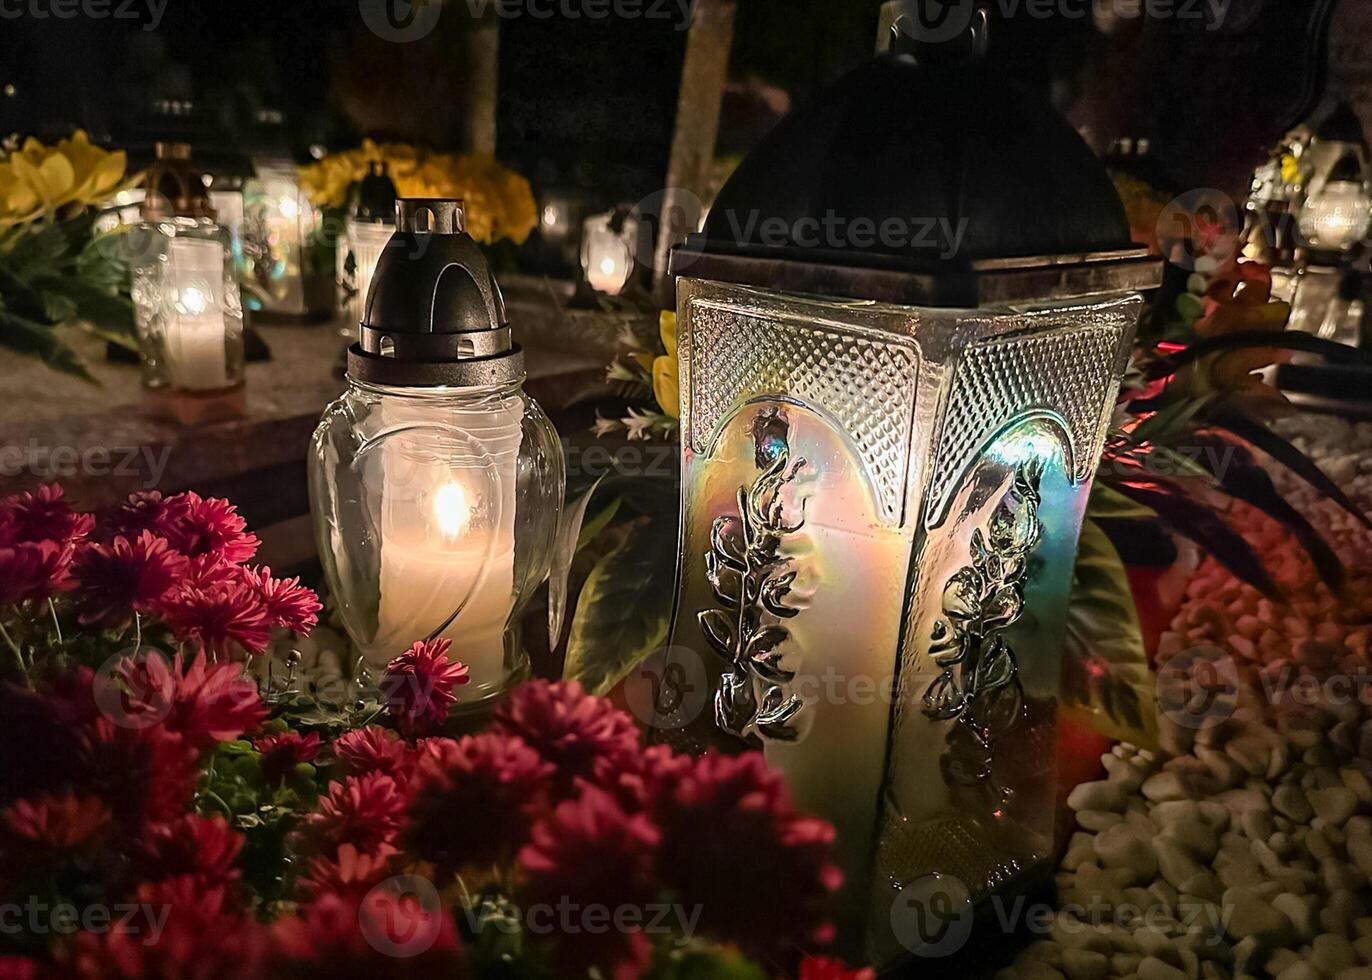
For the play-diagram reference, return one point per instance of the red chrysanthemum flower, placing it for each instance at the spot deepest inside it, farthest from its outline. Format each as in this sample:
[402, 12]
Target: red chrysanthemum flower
[219, 617]
[146, 510]
[637, 781]
[383, 934]
[210, 526]
[824, 968]
[283, 751]
[591, 852]
[350, 872]
[418, 686]
[182, 931]
[35, 571]
[205, 702]
[53, 826]
[288, 603]
[125, 577]
[492, 785]
[18, 968]
[375, 749]
[569, 728]
[144, 775]
[201, 848]
[43, 515]
[729, 819]
[365, 811]
[211, 571]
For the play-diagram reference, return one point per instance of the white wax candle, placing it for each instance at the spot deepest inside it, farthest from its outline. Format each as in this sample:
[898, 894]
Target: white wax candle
[447, 525]
[197, 356]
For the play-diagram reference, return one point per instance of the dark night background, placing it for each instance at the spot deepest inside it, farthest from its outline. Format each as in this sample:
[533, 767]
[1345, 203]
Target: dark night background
[590, 103]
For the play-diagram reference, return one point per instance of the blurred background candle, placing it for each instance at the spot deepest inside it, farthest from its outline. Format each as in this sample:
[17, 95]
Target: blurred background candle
[607, 251]
[197, 356]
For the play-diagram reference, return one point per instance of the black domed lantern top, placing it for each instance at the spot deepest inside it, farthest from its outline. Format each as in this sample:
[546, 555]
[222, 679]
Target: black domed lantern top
[434, 314]
[927, 177]
[376, 196]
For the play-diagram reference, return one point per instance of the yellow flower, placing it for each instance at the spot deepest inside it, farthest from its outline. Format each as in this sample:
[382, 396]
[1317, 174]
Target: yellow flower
[666, 388]
[38, 180]
[499, 202]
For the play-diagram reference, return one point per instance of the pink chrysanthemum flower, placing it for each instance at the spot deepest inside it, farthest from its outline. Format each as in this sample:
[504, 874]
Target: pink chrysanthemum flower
[493, 785]
[210, 526]
[204, 702]
[182, 930]
[591, 852]
[218, 617]
[288, 603]
[55, 825]
[282, 752]
[729, 819]
[202, 848]
[35, 571]
[569, 728]
[375, 749]
[146, 510]
[418, 686]
[638, 781]
[350, 872]
[365, 811]
[143, 774]
[342, 937]
[44, 515]
[824, 968]
[125, 577]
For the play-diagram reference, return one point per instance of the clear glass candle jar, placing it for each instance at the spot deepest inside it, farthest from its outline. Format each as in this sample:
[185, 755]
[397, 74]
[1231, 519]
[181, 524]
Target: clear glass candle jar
[187, 306]
[439, 510]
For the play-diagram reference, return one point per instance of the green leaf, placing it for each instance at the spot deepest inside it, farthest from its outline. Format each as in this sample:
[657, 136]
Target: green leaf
[625, 608]
[1105, 667]
[1108, 503]
[706, 964]
[30, 337]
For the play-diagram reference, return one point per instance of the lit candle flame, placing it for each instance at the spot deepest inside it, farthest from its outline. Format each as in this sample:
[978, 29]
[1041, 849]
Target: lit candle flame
[451, 510]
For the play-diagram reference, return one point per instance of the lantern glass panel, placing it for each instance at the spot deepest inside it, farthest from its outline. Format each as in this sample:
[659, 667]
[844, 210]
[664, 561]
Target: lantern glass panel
[881, 506]
[187, 305]
[435, 513]
[363, 248]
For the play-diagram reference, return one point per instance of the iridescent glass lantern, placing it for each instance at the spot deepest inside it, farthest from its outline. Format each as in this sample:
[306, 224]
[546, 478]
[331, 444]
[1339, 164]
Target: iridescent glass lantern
[435, 481]
[901, 333]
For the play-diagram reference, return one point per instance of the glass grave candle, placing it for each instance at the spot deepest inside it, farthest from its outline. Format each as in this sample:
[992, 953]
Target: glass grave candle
[185, 291]
[435, 480]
